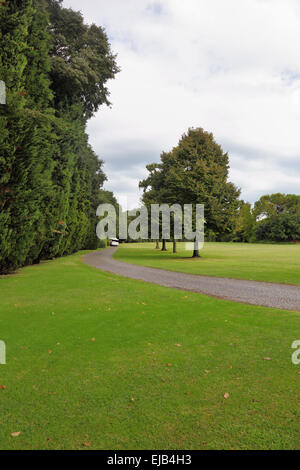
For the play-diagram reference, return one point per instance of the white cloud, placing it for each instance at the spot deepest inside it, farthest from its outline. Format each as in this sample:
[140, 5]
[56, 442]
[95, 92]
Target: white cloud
[230, 67]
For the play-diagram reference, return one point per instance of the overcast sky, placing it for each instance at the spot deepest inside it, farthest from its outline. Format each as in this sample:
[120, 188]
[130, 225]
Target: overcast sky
[231, 67]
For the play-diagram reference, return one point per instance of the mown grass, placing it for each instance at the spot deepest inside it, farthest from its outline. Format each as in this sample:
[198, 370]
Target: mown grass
[257, 262]
[96, 361]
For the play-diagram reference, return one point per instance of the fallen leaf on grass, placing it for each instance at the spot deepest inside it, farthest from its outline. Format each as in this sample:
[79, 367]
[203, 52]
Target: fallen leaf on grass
[2, 387]
[87, 444]
[15, 434]
[226, 396]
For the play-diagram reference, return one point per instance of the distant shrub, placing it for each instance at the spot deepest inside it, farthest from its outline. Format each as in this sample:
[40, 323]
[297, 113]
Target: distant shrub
[283, 227]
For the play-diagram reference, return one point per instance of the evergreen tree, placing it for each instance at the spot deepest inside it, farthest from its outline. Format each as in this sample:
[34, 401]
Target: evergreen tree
[50, 177]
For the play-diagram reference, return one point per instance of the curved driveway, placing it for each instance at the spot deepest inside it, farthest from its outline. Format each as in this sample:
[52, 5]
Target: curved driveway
[251, 292]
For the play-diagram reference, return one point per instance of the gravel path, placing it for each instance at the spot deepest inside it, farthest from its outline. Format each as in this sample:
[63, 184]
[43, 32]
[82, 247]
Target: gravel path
[251, 292]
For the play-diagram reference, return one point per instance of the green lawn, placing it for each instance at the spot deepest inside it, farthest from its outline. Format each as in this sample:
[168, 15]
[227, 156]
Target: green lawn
[96, 361]
[258, 262]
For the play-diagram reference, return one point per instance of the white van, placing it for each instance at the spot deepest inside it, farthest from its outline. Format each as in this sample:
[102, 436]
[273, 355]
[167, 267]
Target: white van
[114, 242]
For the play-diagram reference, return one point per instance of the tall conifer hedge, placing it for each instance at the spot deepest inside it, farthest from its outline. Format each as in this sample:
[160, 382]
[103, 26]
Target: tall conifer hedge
[55, 69]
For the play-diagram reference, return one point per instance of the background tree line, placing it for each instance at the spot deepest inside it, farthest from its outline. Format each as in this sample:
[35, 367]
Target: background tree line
[274, 217]
[55, 69]
[196, 171]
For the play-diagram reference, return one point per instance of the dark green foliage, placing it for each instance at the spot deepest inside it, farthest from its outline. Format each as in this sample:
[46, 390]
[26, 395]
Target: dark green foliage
[274, 204]
[81, 60]
[50, 178]
[195, 172]
[284, 227]
[274, 217]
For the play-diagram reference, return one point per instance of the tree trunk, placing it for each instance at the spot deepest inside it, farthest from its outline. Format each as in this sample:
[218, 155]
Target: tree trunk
[196, 250]
[157, 245]
[164, 246]
[174, 246]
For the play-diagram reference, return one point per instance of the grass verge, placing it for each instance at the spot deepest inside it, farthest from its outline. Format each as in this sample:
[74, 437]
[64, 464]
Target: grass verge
[257, 262]
[96, 361]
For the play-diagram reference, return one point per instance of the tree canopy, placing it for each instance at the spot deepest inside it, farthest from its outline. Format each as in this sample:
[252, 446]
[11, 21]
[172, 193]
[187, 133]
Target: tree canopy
[195, 172]
[81, 60]
[274, 217]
